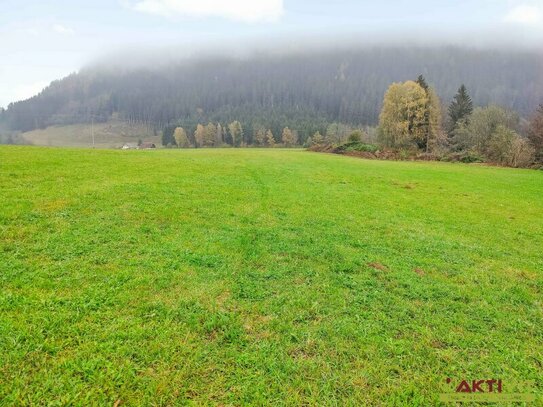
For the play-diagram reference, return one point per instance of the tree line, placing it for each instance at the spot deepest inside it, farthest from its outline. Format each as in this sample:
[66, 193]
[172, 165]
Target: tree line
[303, 91]
[412, 120]
[217, 135]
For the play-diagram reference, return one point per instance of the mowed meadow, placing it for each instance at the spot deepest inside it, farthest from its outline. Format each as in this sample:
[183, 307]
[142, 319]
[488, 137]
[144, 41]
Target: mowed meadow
[278, 276]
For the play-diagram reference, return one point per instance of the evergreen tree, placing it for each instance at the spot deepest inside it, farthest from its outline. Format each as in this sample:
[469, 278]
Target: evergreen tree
[460, 109]
[422, 83]
[535, 132]
[430, 126]
[167, 136]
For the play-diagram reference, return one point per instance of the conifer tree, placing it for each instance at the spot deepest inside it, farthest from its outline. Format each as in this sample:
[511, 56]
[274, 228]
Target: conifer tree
[422, 83]
[460, 109]
[535, 132]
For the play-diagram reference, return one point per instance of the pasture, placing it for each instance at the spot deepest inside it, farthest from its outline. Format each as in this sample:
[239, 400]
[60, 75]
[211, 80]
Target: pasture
[271, 276]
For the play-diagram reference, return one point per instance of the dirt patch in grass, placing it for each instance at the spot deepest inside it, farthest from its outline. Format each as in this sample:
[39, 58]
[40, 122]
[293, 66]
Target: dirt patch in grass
[377, 266]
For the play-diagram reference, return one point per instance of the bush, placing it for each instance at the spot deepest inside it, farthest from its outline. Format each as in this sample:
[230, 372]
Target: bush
[470, 158]
[403, 154]
[357, 146]
[522, 153]
[355, 136]
[506, 147]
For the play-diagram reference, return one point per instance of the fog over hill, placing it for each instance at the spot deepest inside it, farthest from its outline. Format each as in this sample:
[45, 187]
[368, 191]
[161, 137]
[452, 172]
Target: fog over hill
[304, 90]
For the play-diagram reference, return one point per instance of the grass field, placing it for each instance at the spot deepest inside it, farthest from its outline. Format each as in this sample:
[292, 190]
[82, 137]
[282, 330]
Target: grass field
[281, 277]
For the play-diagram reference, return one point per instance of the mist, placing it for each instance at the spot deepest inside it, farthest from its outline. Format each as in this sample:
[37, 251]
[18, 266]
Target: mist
[157, 56]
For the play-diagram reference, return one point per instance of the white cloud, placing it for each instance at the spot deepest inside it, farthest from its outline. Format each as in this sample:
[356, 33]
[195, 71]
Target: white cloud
[525, 14]
[62, 30]
[249, 11]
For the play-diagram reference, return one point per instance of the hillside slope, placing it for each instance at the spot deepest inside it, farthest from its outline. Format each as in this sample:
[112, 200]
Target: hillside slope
[303, 91]
[111, 134]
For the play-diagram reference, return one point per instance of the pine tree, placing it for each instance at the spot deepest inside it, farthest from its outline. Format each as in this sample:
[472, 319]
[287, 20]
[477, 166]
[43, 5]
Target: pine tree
[535, 132]
[430, 127]
[422, 83]
[167, 136]
[460, 109]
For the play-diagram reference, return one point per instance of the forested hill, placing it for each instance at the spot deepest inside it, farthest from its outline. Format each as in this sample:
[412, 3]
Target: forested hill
[298, 90]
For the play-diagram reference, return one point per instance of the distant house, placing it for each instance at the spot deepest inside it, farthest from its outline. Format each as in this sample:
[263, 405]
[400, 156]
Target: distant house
[129, 146]
[146, 146]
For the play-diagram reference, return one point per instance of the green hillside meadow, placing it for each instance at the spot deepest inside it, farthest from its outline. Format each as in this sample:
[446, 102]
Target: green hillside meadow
[278, 277]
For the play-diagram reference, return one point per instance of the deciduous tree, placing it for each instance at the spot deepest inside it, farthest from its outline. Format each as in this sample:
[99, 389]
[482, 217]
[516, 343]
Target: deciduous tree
[402, 119]
[270, 139]
[236, 132]
[317, 139]
[260, 136]
[535, 132]
[199, 135]
[181, 139]
[288, 137]
[210, 135]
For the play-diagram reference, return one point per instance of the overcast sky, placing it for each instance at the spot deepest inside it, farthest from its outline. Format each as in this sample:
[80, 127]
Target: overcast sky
[43, 40]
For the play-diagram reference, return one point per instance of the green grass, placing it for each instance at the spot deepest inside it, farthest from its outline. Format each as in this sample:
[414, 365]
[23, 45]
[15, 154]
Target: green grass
[238, 277]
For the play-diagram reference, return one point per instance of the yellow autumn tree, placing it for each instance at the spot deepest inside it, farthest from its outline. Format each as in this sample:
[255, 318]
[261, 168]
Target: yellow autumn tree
[236, 132]
[210, 135]
[403, 117]
[270, 139]
[199, 135]
[181, 139]
[288, 137]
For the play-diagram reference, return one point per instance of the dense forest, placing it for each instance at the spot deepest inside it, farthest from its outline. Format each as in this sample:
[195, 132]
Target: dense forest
[305, 92]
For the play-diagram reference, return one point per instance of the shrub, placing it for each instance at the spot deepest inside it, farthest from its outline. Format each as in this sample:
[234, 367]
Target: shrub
[355, 136]
[357, 146]
[522, 153]
[506, 147]
[470, 158]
